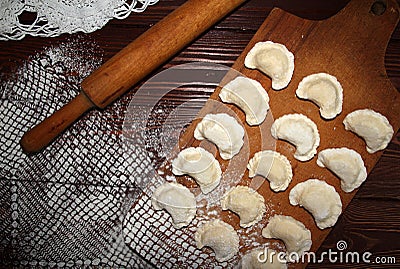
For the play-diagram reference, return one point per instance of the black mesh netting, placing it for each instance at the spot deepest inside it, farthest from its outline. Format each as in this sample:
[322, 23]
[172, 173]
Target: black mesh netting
[64, 206]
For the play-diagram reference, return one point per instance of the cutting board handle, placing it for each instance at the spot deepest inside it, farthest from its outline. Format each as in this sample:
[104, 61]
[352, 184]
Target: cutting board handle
[366, 17]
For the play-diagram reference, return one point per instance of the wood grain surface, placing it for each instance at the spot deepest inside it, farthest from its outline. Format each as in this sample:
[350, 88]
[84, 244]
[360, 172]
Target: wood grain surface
[371, 221]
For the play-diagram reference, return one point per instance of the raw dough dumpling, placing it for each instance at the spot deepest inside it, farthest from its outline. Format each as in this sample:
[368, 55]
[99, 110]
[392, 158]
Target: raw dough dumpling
[222, 130]
[245, 202]
[177, 200]
[273, 166]
[300, 131]
[293, 233]
[219, 236]
[347, 164]
[320, 199]
[325, 91]
[256, 259]
[250, 96]
[274, 60]
[372, 126]
[200, 165]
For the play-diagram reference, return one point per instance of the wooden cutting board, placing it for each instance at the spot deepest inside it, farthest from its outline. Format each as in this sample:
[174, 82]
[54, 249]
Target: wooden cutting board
[351, 46]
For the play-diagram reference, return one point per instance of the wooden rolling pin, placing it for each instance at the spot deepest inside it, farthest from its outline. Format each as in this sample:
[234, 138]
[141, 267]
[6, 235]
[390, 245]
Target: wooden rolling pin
[131, 65]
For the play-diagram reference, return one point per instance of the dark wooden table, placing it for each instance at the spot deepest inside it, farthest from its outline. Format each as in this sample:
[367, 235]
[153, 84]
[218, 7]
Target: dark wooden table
[372, 220]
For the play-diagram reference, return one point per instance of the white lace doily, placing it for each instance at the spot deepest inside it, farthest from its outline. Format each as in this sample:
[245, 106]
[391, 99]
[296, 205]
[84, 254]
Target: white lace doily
[55, 17]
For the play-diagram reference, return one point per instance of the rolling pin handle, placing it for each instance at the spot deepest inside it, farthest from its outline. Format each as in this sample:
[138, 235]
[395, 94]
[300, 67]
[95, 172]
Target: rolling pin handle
[44, 133]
